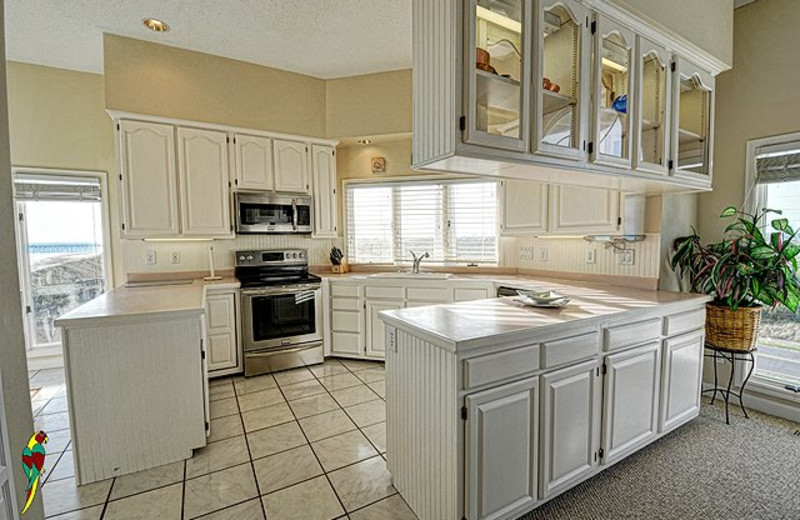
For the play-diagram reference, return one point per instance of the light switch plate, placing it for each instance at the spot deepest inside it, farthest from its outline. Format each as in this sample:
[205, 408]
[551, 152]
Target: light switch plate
[176, 257]
[591, 256]
[544, 254]
[150, 257]
[627, 257]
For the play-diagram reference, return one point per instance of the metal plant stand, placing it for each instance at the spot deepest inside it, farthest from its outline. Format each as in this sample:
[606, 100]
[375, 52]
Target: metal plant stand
[732, 356]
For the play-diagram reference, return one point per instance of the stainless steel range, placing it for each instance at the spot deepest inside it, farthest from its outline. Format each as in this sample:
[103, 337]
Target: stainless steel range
[281, 310]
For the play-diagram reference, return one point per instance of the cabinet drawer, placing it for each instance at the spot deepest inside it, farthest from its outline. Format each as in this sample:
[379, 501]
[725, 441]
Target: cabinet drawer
[346, 343]
[384, 293]
[465, 294]
[684, 322]
[346, 291]
[568, 350]
[501, 365]
[429, 294]
[345, 304]
[621, 336]
[345, 321]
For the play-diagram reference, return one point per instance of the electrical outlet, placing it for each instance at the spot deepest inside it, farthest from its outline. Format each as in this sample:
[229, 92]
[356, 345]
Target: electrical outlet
[591, 256]
[176, 257]
[543, 254]
[150, 257]
[627, 257]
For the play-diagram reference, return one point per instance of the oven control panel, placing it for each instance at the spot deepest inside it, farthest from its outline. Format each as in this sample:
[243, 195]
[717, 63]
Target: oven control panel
[272, 257]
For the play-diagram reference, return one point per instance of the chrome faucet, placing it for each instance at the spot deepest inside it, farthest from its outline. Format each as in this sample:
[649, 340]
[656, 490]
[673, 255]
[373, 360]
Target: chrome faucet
[418, 260]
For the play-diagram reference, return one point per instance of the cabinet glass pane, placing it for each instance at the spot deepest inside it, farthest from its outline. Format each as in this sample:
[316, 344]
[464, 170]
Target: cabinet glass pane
[693, 126]
[498, 67]
[654, 103]
[614, 82]
[560, 84]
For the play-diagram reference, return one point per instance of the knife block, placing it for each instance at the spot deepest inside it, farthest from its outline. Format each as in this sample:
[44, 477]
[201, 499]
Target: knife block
[342, 268]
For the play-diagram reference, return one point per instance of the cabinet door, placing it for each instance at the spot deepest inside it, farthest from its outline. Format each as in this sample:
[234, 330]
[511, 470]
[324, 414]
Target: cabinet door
[291, 166]
[570, 426]
[682, 378]
[347, 326]
[223, 346]
[523, 207]
[498, 71]
[253, 162]
[204, 176]
[562, 79]
[579, 210]
[149, 182]
[692, 121]
[653, 106]
[324, 187]
[631, 398]
[376, 331]
[502, 443]
[614, 71]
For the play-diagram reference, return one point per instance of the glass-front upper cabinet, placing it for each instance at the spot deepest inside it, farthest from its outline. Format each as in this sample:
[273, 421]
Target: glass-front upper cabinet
[614, 69]
[561, 83]
[498, 72]
[693, 113]
[651, 140]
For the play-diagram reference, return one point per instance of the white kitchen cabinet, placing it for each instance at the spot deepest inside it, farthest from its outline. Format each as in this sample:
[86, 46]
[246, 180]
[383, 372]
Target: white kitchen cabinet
[580, 210]
[376, 331]
[223, 344]
[631, 400]
[692, 121]
[291, 166]
[682, 378]
[347, 334]
[524, 207]
[501, 462]
[570, 426]
[203, 171]
[323, 172]
[148, 179]
[653, 106]
[254, 164]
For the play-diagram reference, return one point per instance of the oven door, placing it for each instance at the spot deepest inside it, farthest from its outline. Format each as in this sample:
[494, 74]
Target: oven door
[278, 317]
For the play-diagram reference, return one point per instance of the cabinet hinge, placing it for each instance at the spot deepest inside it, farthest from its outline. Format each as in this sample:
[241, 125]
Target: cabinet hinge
[234, 140]
[207, 426]
[619, 221]
[120, 176]
[462, 123]
[118, 127]
[28, 309]
[123, 226]
[229, 184]
[21, 216]
[306, 149]
[595, 456]
[604, 370]
[333, 152]
[594, 27]
[583, 145]
[227, 139]
[236, 181]
[591, 147]
[672, 67]
[464, 413]
[602, 453]
[671, 164]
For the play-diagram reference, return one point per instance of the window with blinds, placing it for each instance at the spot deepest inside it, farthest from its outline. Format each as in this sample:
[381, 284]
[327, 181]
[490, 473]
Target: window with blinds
[454, 221]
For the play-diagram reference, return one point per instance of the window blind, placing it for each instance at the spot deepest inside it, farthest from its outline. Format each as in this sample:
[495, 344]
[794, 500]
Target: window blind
[53, 188]
[454, 221]
[778, 163]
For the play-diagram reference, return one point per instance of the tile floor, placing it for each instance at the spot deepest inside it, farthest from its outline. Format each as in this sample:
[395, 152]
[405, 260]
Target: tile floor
[305, 444]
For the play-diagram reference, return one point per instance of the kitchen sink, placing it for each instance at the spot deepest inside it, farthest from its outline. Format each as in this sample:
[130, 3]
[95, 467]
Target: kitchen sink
[408, 275]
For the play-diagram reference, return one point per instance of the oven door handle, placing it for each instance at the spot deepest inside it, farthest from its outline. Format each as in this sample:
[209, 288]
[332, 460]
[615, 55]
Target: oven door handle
[280, 290]
[278, 351]
[294, 214]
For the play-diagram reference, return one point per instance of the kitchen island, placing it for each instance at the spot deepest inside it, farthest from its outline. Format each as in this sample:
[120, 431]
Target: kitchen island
[136, 374]
[494, 407]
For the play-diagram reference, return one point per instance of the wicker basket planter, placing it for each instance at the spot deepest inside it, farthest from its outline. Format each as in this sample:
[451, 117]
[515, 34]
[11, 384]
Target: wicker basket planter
[734, 330]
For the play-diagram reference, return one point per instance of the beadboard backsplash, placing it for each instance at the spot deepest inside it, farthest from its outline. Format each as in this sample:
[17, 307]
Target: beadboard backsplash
[194, 255]
[569, 255]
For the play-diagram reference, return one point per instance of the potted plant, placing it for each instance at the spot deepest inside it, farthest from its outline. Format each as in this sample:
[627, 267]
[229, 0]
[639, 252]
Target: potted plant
[754, 265]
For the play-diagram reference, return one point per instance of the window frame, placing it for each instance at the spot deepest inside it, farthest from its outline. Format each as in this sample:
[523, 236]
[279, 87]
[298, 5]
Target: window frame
[422, 179]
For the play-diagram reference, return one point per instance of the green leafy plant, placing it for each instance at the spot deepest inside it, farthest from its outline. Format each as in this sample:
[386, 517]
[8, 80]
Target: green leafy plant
[746, 268]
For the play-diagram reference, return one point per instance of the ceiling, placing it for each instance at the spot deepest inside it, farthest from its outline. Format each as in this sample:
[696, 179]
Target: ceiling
[322, 38]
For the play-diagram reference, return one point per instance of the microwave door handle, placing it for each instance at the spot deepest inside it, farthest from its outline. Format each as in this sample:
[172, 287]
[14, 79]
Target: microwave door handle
[294, 214]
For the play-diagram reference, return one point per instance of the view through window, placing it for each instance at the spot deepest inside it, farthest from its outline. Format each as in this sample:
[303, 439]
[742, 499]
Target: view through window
[455, 222]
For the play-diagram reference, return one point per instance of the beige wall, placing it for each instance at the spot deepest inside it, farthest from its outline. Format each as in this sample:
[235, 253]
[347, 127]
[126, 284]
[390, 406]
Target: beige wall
[154, 79]
[15, 402]
[706, 23]
[57, 120]
[758, 98]
[369, 105]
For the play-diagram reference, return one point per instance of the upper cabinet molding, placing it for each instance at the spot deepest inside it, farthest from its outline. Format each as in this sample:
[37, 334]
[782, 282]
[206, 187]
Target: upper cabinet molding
[116, 115]
[658, 33]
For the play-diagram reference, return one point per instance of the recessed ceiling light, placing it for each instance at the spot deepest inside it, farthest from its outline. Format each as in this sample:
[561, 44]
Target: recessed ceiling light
[364, 141]
[154, 24]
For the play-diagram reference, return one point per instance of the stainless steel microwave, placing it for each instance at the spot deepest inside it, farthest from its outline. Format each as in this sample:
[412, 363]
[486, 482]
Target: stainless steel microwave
[273, 213]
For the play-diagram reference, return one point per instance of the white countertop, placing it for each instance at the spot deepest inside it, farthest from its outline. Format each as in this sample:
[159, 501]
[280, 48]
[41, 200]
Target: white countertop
[460, 323]
[145, 300]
